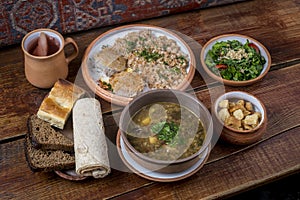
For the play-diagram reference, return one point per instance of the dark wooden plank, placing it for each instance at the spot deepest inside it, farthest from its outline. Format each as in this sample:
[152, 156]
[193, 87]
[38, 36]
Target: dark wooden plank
[278, 156]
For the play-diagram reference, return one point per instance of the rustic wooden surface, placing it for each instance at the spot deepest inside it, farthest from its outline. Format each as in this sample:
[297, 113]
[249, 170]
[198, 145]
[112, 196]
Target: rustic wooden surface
[230, 169]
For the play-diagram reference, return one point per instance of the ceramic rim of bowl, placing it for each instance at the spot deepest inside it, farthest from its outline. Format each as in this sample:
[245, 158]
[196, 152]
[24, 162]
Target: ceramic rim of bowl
[258, 104]
[209, 127]
[261, 47]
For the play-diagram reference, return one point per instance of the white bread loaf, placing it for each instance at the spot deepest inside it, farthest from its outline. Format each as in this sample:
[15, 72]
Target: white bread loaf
[56, 107]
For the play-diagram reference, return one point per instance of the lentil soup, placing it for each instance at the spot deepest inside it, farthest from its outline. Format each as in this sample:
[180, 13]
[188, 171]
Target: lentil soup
[165, 131]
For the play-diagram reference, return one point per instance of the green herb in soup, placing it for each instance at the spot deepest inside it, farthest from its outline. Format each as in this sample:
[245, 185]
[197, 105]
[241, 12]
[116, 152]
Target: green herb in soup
[166, 131]
[233, 60]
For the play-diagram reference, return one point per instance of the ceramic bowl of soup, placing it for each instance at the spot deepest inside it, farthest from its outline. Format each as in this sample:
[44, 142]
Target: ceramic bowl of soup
[166, 131]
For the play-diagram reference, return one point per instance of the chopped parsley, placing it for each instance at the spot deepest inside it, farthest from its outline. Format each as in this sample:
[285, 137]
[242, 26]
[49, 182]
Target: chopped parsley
[165, 131]
[150, 55]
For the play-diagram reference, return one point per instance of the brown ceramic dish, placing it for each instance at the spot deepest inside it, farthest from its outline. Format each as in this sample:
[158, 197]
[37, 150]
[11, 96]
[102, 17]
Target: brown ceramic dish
[164, 95]
[91, 75]
[243, 39]
[241, 137]
[70, 175]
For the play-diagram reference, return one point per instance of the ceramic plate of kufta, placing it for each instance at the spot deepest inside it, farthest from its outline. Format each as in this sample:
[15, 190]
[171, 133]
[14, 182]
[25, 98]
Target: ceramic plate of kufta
[128, 60]
[235, 60]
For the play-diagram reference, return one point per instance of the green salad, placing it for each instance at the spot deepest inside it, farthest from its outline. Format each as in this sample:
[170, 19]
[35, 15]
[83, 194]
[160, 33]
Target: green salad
[233, 60]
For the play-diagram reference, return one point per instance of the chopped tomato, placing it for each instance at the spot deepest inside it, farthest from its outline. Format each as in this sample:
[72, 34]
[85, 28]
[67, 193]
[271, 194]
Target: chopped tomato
[221, 66]
[254, 47]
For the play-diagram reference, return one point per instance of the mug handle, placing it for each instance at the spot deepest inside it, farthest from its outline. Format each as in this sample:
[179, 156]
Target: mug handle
[75, 52]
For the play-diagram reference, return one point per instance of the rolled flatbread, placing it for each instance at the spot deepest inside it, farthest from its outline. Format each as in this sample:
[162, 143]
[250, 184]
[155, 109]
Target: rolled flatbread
[91, 153]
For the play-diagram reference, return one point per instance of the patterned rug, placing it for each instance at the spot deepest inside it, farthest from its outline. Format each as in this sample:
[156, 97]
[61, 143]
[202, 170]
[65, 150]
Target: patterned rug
[18, 17]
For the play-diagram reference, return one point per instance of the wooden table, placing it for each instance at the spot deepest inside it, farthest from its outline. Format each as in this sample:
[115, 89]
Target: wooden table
[230, 169]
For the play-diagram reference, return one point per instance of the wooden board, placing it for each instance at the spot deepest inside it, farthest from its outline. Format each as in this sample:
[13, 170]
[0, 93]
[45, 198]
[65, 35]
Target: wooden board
[230, 169]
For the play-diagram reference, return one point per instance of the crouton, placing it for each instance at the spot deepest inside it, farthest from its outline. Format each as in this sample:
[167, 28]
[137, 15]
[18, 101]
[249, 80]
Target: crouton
[223, 114]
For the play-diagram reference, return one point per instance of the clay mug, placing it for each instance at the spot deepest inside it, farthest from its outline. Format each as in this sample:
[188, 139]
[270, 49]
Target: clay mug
[43, 70]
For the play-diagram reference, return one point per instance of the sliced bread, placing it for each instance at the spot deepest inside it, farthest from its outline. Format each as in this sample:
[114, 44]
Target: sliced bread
[43, 136]
[57, 105]
[39, 160]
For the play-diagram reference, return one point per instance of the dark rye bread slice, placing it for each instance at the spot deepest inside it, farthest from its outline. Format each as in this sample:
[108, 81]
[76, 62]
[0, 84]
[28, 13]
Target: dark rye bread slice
[48, 160]
[44, 136]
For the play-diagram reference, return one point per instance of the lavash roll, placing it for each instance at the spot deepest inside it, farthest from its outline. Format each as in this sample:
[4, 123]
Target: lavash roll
[91, 153]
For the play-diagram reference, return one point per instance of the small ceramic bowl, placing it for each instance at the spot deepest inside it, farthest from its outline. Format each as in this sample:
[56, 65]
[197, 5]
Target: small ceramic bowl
[243, 39]
[164, 95]
[235, 136]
